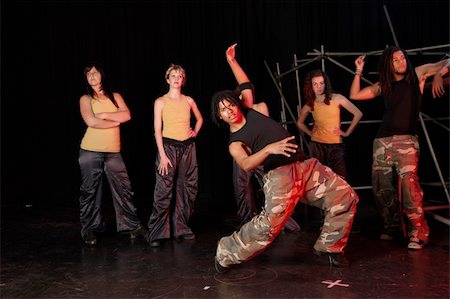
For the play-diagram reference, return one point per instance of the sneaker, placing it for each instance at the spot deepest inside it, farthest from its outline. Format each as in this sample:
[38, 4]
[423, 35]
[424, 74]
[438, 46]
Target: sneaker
[335, 258]
[187, 237]
[386, 237]
[155, 243]
[140, 231]
[416, 243]
[90, 239]
[394, 235]
[219, 268]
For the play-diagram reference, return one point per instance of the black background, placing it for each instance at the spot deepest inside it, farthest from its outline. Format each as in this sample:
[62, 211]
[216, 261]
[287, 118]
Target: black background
[45, 45]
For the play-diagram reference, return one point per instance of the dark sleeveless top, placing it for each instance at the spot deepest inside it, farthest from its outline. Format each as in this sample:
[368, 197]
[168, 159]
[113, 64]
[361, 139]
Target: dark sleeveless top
[259, 131]
[402, 109]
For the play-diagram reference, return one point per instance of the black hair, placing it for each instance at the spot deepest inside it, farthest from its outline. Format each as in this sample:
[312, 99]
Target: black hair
[386, 70]
[104, 83]
[221, 96]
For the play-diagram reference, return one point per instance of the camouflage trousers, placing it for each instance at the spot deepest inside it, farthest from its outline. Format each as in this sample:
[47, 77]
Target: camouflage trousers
[308, 181]
[401, 152]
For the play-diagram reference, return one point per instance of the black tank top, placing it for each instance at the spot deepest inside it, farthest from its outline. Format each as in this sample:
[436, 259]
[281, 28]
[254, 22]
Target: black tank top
[259, 131]
[402, 109]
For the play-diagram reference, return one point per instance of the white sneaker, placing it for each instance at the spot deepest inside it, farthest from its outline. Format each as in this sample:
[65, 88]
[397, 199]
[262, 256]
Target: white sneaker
[416, 243]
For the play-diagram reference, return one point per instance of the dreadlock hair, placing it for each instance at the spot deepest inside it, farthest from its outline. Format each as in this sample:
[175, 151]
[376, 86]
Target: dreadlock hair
[104, 83]
[386, 70]
[308, 88]
[220, 97]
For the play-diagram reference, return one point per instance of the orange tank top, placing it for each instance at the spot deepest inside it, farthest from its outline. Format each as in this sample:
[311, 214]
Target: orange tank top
[327, 119]
[176, 117]
[102, 140]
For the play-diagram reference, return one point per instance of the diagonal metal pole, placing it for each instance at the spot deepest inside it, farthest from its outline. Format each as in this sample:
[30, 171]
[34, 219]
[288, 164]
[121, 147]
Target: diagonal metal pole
[347, 69]
[390, 25]
[283, 98]
[436, 164]
[296, 67]
[280, 92]
[436, 122]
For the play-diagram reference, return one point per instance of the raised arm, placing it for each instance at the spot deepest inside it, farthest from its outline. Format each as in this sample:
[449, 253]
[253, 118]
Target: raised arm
[240, 76]
[90, 118]
[301, 120]
[121, 115]
[350, 107]
[367, 93]
[438, 70]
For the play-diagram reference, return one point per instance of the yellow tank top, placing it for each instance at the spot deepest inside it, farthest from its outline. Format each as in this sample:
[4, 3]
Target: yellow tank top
[176, 117]
[102, 140]
[327, 118]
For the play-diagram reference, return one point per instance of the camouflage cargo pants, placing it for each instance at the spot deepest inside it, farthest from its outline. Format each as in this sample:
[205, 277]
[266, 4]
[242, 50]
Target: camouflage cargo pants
[401, 152]
[312, 183]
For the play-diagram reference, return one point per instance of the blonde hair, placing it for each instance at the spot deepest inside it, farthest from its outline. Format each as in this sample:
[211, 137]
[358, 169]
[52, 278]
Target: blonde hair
[177, 68]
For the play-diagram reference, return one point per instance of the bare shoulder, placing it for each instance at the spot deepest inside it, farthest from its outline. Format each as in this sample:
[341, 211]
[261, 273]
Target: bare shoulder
[189, 99]
[339, 98]
[118, 97]
[262, 108]
[191, 102]
[159, 102]
[116, 94]
[85, 98]
[375, 89]
[306, 108]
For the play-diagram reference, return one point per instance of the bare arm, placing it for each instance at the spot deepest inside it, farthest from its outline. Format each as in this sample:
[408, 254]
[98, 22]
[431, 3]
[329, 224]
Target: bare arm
[248, 162]
[240, 76]
[90, 119]
[301, 120]
[164, 163]
[198, 117]
[367, 93]
[121, 115]
[438, 69]
[350, 107]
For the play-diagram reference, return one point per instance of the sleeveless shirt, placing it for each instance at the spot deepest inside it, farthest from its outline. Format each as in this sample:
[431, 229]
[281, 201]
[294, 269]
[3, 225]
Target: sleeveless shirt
[402, 109]
[259, 131]
[176, 117]
[102, 140]
[327, 118]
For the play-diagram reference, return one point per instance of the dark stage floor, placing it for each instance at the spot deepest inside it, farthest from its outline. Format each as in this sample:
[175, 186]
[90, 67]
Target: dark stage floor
[42, 256]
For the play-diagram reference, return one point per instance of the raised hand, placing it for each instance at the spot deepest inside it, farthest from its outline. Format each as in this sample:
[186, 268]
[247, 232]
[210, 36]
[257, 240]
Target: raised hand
[359, 62]
[230, 53]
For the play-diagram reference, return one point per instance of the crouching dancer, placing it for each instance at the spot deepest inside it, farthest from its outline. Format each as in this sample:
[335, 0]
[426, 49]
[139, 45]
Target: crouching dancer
[255, 140]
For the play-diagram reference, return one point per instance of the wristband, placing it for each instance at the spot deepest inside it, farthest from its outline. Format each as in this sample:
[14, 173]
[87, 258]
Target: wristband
[246, 85]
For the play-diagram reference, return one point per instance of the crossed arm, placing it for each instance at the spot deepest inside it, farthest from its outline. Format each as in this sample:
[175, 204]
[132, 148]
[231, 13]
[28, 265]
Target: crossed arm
[104, 120]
